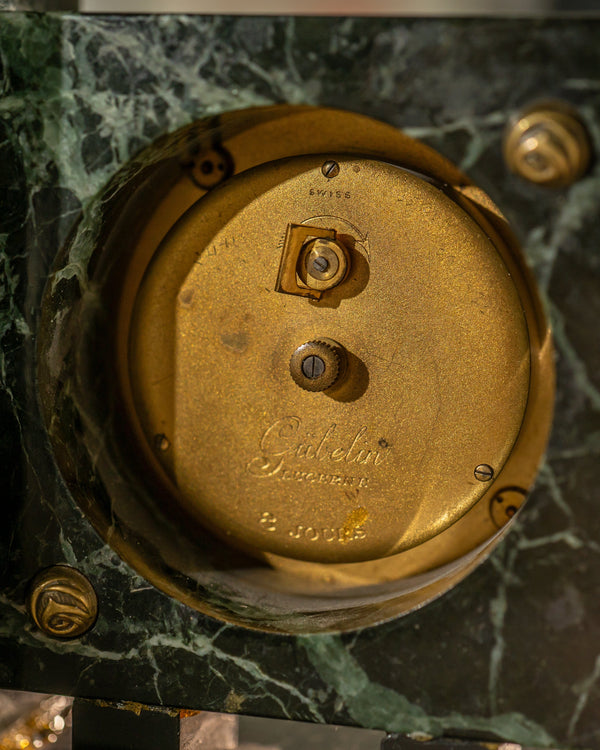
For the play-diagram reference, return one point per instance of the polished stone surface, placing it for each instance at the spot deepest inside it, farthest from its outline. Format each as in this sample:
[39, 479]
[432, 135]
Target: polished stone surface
[514, 650]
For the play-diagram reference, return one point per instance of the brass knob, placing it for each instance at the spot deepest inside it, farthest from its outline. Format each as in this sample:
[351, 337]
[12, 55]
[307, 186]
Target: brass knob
[317, 365]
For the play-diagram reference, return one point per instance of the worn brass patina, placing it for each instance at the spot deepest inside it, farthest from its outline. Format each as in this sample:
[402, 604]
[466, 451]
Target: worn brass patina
[62, 602]
[434, 315]
[231, 470]
[439, 329]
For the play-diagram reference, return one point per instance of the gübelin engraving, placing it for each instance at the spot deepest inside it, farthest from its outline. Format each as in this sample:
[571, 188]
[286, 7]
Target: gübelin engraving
[285, 443]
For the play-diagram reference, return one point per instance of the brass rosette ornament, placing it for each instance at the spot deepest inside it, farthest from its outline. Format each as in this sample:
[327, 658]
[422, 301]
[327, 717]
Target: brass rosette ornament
[319, 382]
[62, 602]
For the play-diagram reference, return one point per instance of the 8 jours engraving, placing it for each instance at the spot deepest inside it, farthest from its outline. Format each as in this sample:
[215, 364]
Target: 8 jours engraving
[341, 535]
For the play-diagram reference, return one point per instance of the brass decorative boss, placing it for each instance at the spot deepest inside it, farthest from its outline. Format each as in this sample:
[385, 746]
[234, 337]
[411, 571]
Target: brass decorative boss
[548, 145]
[62, 602]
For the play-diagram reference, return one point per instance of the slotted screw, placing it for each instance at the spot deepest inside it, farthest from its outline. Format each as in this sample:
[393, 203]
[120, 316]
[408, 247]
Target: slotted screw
[483, 472]
[313, 367]
[330, 169]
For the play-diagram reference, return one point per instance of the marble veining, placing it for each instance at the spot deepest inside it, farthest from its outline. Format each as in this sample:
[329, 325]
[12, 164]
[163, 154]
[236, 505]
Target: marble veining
[513, 650]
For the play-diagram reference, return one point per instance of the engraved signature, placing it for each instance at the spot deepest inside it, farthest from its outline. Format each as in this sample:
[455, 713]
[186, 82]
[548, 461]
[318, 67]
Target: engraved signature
[285, 440]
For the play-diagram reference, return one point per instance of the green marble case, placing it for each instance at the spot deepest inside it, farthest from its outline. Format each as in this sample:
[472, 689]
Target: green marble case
[513, 652]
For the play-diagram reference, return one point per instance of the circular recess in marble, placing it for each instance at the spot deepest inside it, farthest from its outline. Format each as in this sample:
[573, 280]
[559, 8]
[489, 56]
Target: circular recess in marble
[128, 365]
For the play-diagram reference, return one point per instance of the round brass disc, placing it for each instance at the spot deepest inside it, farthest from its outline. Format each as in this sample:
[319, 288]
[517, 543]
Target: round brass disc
[438, 363]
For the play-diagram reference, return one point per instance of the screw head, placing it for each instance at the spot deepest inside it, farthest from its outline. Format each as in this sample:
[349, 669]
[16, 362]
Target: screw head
[320, 264]
[330, 169]
[313, 366]
[548, 146]
[483, 472]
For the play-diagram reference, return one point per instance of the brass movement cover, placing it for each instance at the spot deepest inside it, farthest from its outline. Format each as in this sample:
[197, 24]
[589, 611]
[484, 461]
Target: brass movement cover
[328, 374]
[443, 337]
